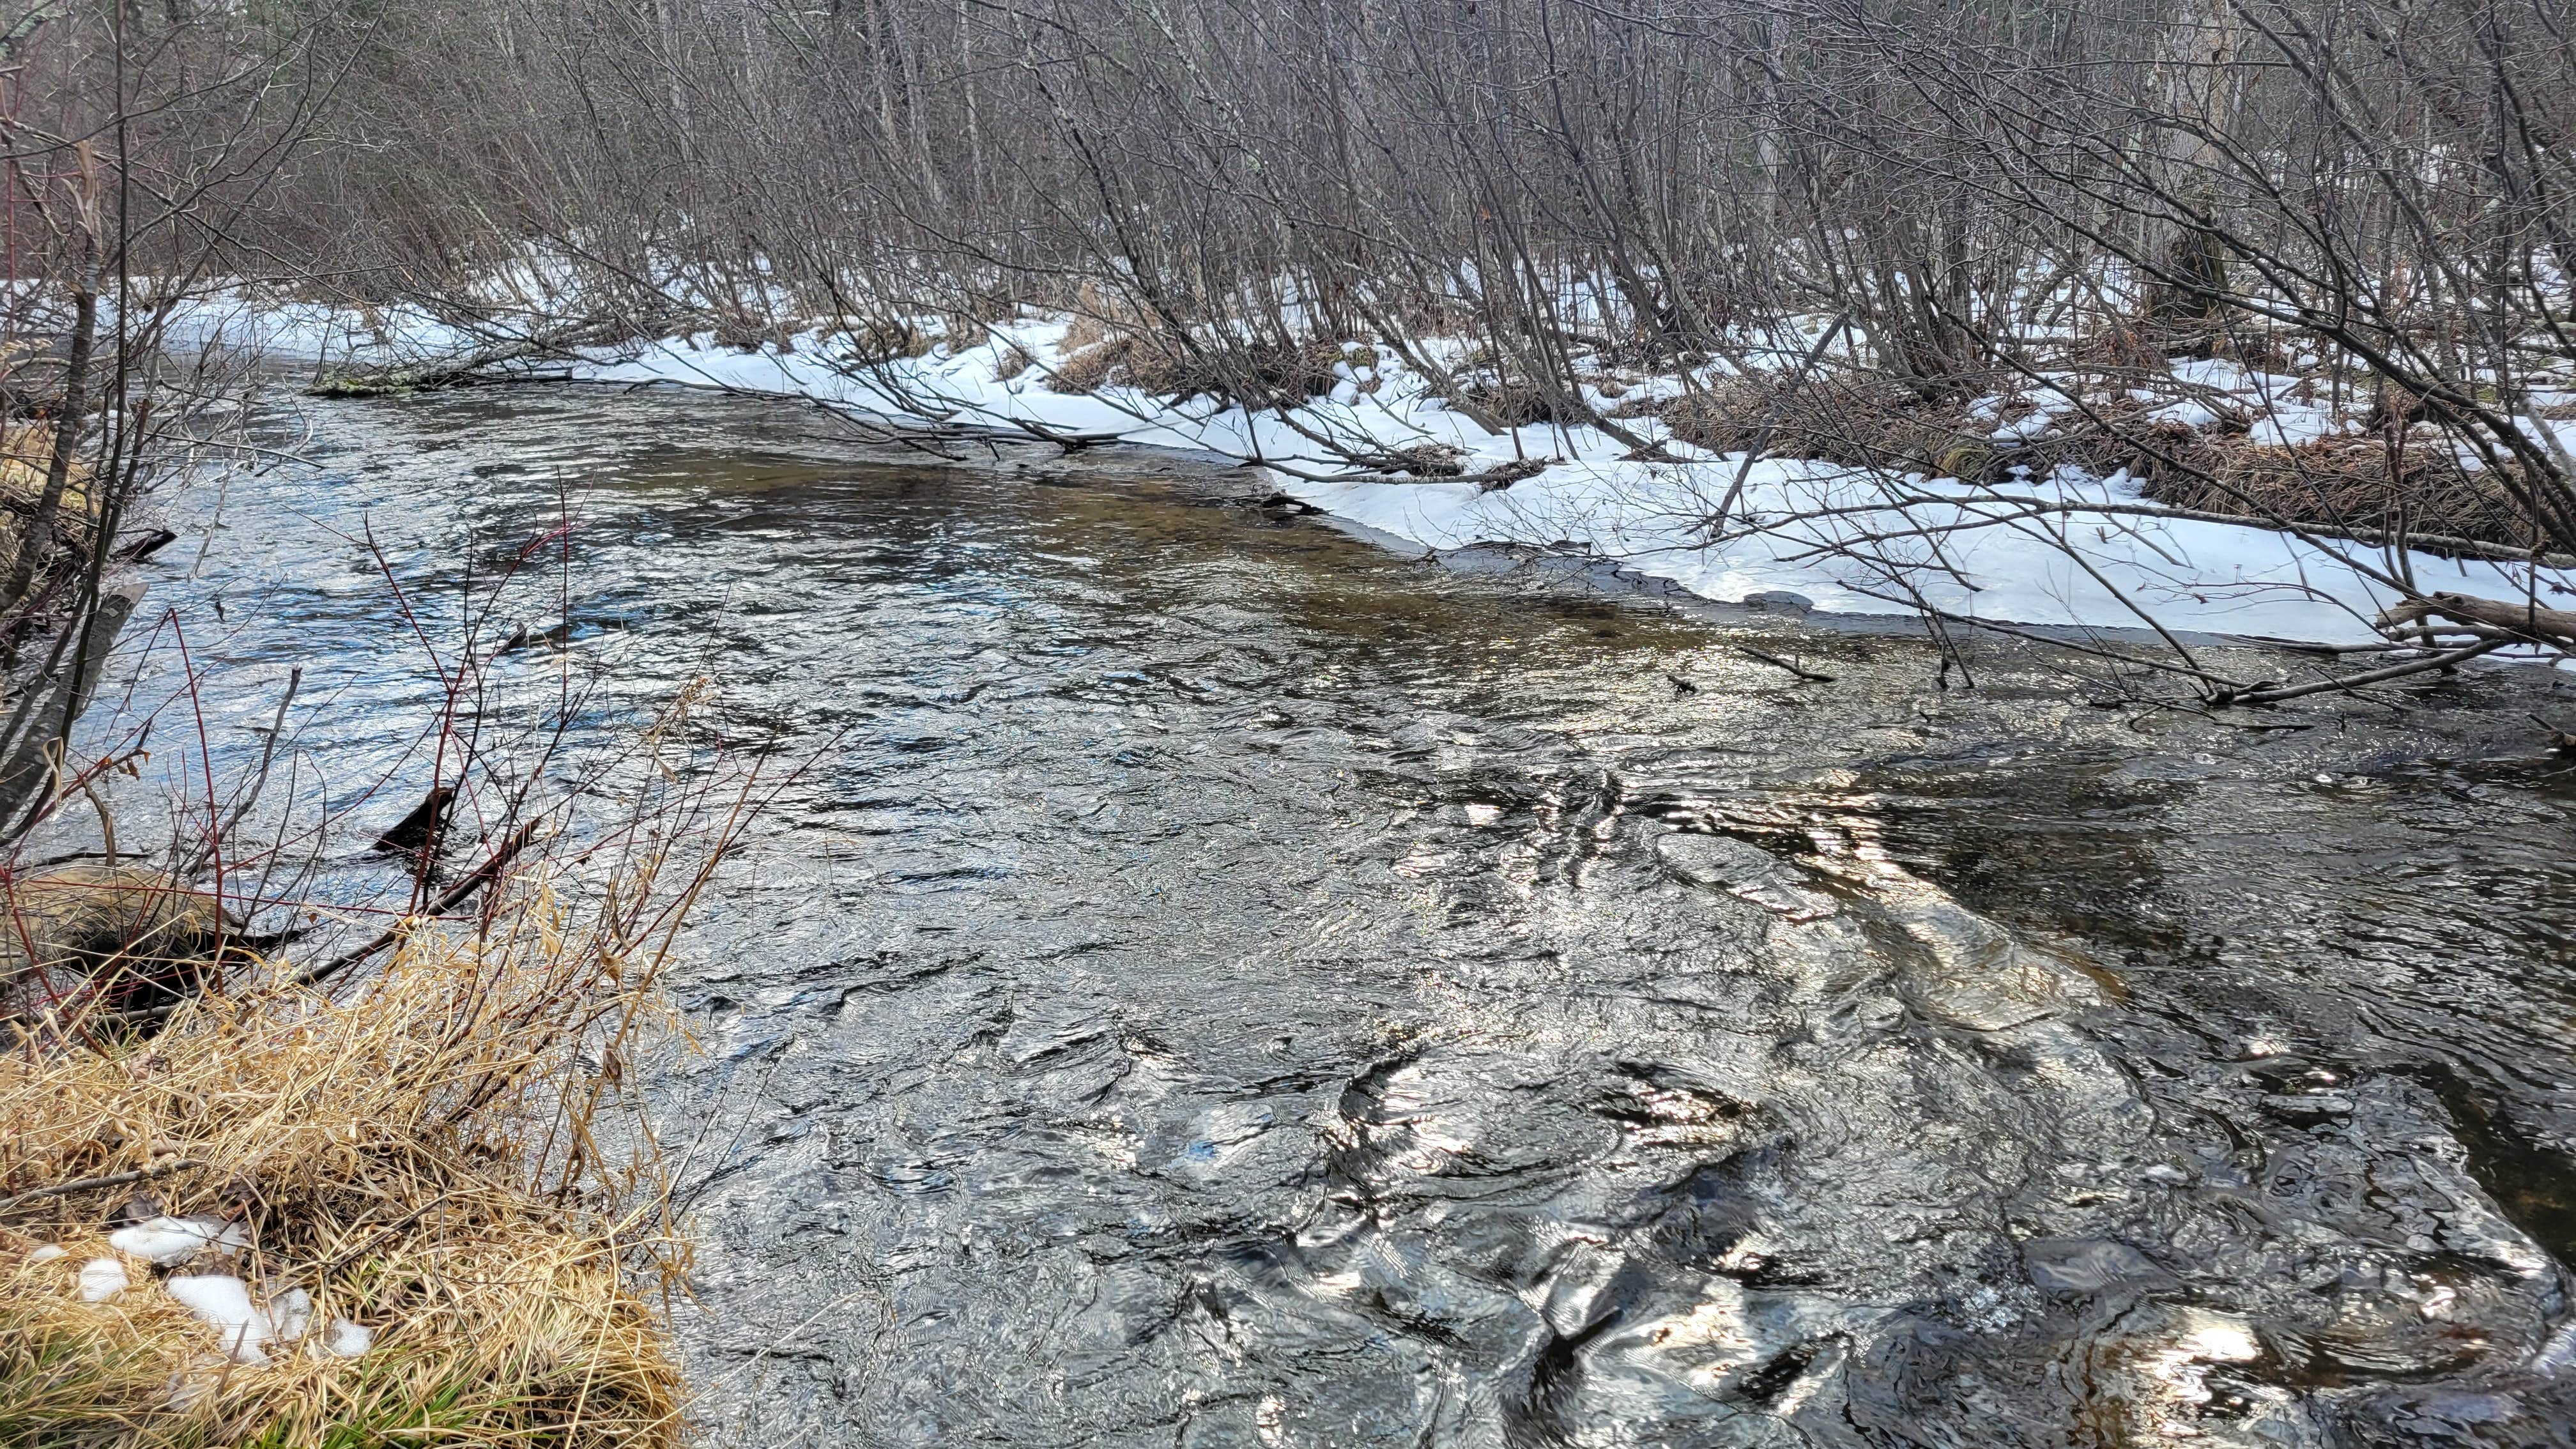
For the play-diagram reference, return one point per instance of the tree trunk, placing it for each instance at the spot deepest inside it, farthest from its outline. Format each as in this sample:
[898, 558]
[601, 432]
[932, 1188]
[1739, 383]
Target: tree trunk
[2198, 102]
[67, 428]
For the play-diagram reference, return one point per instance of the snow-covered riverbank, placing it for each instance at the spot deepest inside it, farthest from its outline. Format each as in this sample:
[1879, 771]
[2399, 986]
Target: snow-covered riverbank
[2056, 551]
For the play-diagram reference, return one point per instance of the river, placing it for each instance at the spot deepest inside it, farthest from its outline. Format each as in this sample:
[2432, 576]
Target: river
[1223, 981]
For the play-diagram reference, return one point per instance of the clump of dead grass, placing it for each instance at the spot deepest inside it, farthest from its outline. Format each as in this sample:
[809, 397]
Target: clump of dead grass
[2399, 476]
[2411, 482]
[1013, 361]
[874, 342]
[1860, 421]
[425, 1157]
[1254, 375]
[26, 451]
[1518, 404]
[1088, 368]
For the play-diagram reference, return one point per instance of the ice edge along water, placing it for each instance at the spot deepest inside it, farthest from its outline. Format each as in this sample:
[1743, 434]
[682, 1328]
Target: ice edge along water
[1848, 541]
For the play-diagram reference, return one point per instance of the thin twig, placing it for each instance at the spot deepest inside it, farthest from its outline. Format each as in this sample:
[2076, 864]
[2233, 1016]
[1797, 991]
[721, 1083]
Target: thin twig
[113, 1179]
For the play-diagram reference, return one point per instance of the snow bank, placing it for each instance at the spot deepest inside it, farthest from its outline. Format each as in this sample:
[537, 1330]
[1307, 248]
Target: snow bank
[1849, 542]
[310, 331]
[1982, 560]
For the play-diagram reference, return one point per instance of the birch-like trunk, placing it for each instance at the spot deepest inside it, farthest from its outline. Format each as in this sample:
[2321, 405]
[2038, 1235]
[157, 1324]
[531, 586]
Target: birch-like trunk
[2197, 104]
[68, 425]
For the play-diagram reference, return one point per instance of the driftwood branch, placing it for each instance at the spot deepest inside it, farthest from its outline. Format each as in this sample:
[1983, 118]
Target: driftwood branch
[485, 363]
[2525, 621]
[2343, 682]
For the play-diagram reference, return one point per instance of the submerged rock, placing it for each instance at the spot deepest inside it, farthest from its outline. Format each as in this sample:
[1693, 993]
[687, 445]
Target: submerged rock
[1743, 870]
[2073, 1265]
[1720, 861]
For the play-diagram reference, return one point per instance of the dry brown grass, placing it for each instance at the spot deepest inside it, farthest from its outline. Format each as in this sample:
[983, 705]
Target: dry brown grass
[1257, 375]
[1014, 361]
[26, 450]
[877, 341]
[1089, 368]
[1093, 319]
[1859, 422]
[1518, 404]
[1082, 333]
[424, 1158]
[2359, 483]
[2345, 483]
[130, 935]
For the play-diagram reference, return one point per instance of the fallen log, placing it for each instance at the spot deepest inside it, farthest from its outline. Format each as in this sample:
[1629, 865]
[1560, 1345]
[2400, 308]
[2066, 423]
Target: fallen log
[2521, 620]
[457, 371]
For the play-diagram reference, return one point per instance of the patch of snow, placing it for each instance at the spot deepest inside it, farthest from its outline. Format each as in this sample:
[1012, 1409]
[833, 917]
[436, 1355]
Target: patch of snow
[2211, 372]
[348, 1340]
[2034, 424]
[102, 1279]
[169, 1240]
[223, 1301]
[2189, 412]
[291, 1314]
[2287, 424]
[1992, 563]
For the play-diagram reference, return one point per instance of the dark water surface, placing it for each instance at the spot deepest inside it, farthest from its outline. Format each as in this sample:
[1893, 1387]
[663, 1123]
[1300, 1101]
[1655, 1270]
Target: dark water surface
[1233, 984]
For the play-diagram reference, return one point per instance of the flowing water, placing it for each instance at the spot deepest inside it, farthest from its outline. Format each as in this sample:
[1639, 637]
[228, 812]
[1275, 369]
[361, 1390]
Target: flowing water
[1225, 982]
